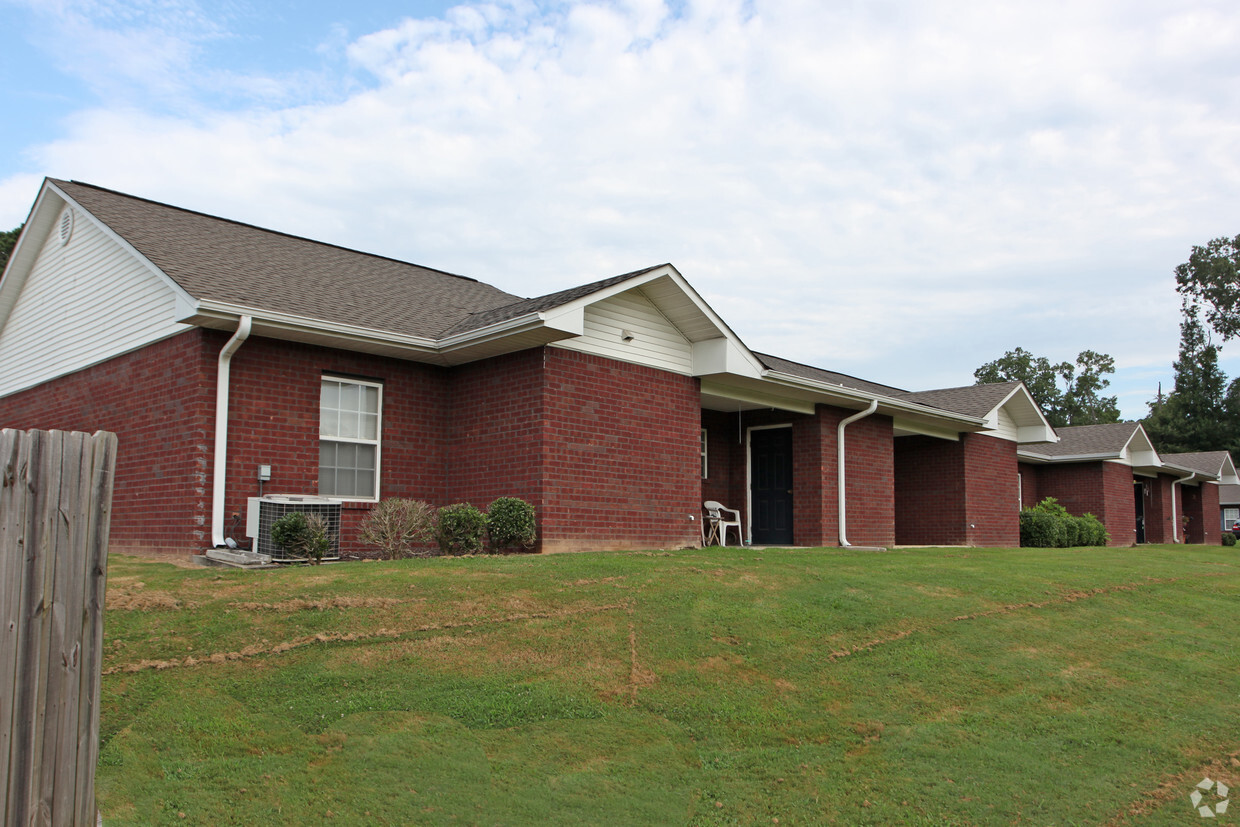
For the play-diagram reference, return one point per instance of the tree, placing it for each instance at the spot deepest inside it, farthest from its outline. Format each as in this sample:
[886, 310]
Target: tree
[1211, 276]
[1077, 402]
[1202, 412]
[7, 242]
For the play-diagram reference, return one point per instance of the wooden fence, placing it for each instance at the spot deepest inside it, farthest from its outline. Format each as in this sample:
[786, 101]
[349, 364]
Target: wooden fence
[55, 509]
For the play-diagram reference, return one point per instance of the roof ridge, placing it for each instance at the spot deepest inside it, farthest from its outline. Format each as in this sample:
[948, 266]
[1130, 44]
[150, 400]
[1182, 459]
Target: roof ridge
[267, 230]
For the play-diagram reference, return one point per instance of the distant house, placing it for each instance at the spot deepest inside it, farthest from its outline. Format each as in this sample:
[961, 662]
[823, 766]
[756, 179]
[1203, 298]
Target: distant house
[216, 349]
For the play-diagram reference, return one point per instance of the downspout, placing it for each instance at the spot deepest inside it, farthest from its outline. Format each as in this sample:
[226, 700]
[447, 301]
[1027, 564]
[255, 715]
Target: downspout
[839, 467]
[1175, 516]
[221, 428]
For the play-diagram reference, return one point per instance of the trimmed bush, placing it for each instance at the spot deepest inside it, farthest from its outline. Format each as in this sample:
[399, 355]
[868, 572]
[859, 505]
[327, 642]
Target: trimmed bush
[1093, 532]
[1229, 539]
[1039, 529]
[303, 536]
[511, 524]
[459, 529]
[1049, 525]
[399, 528]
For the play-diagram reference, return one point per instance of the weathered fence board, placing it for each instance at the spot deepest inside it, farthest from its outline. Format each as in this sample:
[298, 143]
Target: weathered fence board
[55, 508]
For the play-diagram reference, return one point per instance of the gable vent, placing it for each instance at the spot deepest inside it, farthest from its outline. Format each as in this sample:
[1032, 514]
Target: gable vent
[66, 226]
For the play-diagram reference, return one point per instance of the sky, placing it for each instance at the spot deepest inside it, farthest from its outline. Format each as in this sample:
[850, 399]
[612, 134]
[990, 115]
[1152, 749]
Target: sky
[898, 191]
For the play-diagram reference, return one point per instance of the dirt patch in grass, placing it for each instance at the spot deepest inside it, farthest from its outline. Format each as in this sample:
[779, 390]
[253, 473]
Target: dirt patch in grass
[265, 648]
[1062, 599]
[298, 604]
[1181, 786]
[129, 594]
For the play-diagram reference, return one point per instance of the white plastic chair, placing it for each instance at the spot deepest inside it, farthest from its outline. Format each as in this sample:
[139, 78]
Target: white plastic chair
[719, 526]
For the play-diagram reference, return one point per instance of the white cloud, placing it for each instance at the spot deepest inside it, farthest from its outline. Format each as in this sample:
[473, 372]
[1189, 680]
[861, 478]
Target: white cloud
[895, 191]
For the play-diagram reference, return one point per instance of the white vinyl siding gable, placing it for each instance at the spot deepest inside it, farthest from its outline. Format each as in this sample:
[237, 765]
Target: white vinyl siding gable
[82, 303]
[655, 341]
[1005, 426]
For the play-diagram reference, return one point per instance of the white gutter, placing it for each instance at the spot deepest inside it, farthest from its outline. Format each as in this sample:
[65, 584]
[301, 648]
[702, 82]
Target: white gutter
[855, 395]
[221, 429]
[839, 467]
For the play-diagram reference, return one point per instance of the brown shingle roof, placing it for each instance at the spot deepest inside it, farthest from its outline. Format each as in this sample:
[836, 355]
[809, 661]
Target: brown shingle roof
[536, 305]
[1229, 494]
[1208, 462]
[1090, 440]
[828, 376]
[216, 259]
[970, 400]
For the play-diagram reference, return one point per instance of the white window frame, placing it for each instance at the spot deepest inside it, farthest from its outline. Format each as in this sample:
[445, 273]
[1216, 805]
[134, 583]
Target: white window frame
[377, 442]
[703, 450]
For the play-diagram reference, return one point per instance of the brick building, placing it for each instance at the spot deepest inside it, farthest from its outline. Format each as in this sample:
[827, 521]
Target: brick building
[215, 349]
[1114, 472]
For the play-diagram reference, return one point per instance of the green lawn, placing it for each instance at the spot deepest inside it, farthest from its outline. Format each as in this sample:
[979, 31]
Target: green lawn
[929, 686]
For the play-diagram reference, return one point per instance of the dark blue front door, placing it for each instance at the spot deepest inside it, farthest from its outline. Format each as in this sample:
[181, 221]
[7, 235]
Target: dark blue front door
[770, 457]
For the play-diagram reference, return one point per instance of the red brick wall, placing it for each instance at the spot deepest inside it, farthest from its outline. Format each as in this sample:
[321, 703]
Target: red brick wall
[274, 420]
[869, 474]
[621, 458]
[1030, 495]
[1199, 503]
[495, 430]
[722, 448]
[1120, 510]
[956, 493]
[1103, 489]
[1212, 532]
[929, 492]
[992, 510]
[156, 403]
[869, 467]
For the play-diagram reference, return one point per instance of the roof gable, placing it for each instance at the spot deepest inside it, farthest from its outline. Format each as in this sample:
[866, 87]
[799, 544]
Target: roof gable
[1008, 409]
[78, 292]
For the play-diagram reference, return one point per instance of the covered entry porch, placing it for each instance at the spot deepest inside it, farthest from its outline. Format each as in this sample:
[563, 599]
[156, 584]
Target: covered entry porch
[808, 463]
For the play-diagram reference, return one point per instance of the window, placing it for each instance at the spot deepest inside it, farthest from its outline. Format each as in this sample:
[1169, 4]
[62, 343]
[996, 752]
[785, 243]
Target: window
[1230, 515]
[702, 447]
[349, 429]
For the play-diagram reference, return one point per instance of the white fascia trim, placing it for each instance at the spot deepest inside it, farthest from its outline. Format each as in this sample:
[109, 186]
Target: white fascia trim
[569, 322]
[10, 286]
[851, 395]
[1072, 457]
[1189, 475]
[178, 291]
[288, 321]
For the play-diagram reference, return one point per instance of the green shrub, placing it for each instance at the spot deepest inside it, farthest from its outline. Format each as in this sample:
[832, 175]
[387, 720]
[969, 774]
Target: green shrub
[459, 529]
[1049, 525]
[511, 524]
[1039, 529]
[1093, 532]
[302, 536]
[399, 528]
[1229, 539]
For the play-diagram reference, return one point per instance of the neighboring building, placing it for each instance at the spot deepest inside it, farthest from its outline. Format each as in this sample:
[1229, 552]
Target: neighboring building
[1229, 507]
[1113, 472]
[214, 348]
